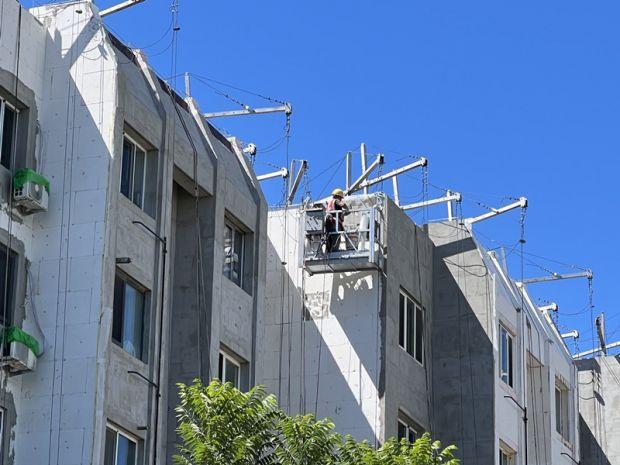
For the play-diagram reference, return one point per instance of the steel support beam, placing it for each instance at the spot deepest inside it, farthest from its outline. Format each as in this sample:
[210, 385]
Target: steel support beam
[119, 7]
[427, 203]
[357, 185]
[286, 108]
[556, 277]
[521, 203]
[283, 173]
[293, 190]
[371, 182]
[613, 345]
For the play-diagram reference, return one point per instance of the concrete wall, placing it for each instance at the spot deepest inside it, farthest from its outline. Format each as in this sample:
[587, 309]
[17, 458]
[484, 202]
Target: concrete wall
[474, 408]
[462, 348]
[409, 267]
[599, 404]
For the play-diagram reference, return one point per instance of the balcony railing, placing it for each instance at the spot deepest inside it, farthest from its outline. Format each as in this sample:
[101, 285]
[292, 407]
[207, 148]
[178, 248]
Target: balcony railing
[356, 243]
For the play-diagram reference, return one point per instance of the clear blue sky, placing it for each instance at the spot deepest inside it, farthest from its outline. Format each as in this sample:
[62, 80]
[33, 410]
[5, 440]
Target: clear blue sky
[504, 100]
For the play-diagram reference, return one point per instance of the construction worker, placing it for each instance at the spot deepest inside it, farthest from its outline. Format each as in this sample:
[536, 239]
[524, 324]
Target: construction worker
[334, 222]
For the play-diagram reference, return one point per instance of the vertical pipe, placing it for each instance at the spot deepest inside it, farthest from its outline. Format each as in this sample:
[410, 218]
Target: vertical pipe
[164, 252]
[450, 212]
[395, 187]
[348, 173]
[363, 158]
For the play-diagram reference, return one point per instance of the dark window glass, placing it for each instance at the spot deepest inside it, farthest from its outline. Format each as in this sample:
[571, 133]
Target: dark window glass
[401, 321]
[220, 368]
[7, 285]
[419, 335]
[138, 177]
[119, 449]
[127, 169]
[125, 451]
[233, 253]
[8, 134]
[110, 447]
[410, 326]
[130, 319]
[402, 431]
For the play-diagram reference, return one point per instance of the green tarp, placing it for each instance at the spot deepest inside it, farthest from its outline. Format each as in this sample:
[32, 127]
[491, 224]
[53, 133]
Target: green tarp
[14, 334]
[23, 175]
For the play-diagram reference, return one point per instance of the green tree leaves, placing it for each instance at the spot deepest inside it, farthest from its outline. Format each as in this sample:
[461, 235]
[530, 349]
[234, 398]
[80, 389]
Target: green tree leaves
[220, 425]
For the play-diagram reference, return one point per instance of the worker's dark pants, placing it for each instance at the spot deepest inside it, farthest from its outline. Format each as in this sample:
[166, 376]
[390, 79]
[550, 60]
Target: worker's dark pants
[333, 238]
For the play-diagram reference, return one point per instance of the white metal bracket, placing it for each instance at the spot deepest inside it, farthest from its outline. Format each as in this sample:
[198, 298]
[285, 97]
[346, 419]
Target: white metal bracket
[247, 110]
[521, 203]
[454, 196]
[119, 7]
[293, 188]
[282, 173]
[357, 185]
[556, 277]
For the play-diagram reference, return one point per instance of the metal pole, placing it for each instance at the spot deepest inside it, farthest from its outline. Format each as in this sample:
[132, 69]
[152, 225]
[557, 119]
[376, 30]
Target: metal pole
[164, 249]
[395, 187]
[187, 86]
[348, 172]
[450, 214]
[363, 158]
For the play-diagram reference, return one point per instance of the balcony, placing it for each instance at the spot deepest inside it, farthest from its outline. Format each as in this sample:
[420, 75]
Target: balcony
[356, 245]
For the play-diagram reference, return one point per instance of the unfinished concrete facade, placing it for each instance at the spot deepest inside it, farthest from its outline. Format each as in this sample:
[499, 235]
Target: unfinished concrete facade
[497, 359]
[332, 325]
[599, 408]
[134, 170]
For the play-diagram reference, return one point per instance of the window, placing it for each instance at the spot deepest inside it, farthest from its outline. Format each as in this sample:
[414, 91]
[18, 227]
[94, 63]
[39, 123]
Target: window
[407, 432]
[561, 409]
[411, 327]
[120, 448]
[506, 456]
[8, 117]
[506, 356]
[229, 370]
[7, 284]
[138, 176]
[234, 244]
[130, 320]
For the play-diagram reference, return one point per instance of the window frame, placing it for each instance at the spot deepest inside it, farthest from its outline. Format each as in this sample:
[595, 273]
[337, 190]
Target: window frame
[3, 104]
[509, 336]
[148, 158]
[144, 353]
[235, 230]
[224, 358]
[12, 282]
[409, 342]
[417, 433]
[130, 437]
[562, 417]
[507, 453]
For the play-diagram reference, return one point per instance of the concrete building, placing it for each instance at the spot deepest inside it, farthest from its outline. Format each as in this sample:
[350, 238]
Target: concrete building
[599, 407]
[399, 330]
[148, 266]
[335, 344]
[497, 359]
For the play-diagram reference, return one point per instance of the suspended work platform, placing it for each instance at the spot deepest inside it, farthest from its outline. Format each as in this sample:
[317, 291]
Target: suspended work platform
[355, 242]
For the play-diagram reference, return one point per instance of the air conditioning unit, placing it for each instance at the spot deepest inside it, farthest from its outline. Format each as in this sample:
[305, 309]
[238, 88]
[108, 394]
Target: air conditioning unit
[30, 191]
[19, 359]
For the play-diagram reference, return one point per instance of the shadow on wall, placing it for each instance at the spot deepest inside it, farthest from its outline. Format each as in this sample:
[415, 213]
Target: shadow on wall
[463, 386]
[331, 372]
[591, 452]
